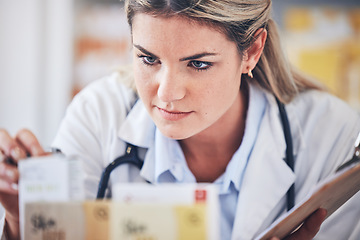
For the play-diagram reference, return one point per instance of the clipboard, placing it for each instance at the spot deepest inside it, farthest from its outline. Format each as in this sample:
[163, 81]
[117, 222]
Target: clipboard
[329, 194]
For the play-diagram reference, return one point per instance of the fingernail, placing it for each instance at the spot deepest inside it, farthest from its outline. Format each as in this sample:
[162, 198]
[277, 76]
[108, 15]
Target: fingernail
[10, 174]
[14, 186]
[16, 153]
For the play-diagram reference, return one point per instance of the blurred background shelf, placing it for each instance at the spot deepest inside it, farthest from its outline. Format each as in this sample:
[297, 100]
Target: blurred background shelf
[102, 40]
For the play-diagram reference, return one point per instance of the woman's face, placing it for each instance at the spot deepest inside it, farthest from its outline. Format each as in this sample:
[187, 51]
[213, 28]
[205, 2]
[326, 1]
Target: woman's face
[187, 74]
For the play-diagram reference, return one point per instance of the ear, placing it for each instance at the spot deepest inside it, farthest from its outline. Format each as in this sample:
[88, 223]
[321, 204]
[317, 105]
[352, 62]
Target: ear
[253, 53]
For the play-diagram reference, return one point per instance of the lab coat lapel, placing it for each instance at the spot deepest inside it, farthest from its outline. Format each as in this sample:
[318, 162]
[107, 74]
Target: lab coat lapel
[266, 180]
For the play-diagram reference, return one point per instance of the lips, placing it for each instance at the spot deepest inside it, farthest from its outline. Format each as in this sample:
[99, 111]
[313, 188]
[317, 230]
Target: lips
[172, 115]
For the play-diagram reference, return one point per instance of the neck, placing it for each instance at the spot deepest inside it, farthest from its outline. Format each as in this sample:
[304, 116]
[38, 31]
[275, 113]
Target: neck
[208, 153]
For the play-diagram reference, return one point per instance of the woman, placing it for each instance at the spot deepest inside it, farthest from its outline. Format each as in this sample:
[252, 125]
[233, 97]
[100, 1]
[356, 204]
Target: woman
[208, 75]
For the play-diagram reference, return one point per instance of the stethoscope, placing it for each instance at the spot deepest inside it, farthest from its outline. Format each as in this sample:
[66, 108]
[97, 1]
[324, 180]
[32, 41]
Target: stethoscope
[131, 157]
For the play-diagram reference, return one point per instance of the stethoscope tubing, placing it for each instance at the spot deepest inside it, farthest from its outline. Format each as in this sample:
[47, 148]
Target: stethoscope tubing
[130, 157]
[289, 152]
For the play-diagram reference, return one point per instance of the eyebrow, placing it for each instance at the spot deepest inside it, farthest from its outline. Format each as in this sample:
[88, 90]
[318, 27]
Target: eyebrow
[197, 56]
[143, 50]
[193, 57]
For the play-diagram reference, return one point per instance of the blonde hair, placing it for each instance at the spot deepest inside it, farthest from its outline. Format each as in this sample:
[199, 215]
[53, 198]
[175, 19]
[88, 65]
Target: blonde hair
[239, 20]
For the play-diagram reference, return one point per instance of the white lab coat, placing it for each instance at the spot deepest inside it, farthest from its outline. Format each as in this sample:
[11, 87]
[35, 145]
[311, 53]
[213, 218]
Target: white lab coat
[323, 129]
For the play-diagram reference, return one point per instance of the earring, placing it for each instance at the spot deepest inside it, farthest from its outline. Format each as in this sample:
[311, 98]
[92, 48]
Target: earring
[250, 73]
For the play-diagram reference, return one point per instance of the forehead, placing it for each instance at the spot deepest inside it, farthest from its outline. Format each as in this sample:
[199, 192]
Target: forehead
[176, 31]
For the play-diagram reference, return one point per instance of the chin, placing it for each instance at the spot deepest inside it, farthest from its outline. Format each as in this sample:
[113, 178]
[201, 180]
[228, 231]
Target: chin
[176, 134]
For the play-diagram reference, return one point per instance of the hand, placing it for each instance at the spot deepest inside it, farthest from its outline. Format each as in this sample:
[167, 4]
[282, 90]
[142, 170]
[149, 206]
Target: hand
[12, 150]
[310, 227]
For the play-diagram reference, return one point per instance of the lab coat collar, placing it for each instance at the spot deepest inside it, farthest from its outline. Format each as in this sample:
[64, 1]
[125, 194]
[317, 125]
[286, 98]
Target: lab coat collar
[267, 178]
[255, 113]
[138, 128]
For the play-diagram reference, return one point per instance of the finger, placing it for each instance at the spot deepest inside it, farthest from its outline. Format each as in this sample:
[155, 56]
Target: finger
[313, 223]
[27, 139]
[9, 188]
[9, 177]
[311, 226]
[10, 148]
[9, 173]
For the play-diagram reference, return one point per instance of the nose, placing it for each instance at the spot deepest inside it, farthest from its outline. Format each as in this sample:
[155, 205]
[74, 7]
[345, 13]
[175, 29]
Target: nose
[171, 85]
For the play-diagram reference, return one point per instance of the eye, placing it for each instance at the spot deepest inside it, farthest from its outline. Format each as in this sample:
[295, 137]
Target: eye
[149, 60]
[200, 65]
